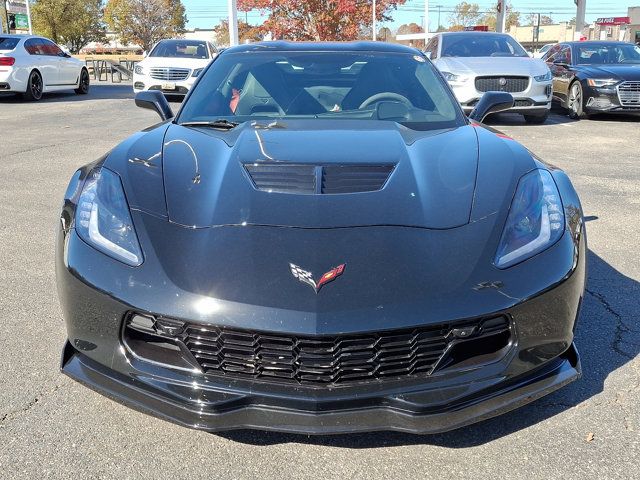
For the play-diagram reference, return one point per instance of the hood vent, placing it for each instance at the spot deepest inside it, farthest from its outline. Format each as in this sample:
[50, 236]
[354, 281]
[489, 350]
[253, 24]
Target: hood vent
[318, 179]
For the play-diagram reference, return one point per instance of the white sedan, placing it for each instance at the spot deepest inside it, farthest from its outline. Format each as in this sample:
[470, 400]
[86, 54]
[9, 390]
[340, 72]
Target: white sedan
[33, 65]
[173, 66]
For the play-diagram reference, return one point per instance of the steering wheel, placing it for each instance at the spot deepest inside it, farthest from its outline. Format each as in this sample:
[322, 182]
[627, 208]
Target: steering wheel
[385, 95]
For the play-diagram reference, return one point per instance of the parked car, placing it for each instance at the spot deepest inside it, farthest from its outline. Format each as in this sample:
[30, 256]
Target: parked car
[32, 65]
[540, 53]
[477, 62]
[596, 76]
[173, 66]
[321, 242]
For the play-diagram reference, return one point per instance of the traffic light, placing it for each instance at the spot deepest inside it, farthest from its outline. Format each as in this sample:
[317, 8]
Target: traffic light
[12, 21]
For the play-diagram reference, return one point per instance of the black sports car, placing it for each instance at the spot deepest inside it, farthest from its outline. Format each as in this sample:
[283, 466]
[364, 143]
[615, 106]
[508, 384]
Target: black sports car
[596, 77]
[321, 242]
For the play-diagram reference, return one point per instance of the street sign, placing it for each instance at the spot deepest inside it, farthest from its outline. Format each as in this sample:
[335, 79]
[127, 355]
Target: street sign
[22, 21]
[17, 6]
[610, 21]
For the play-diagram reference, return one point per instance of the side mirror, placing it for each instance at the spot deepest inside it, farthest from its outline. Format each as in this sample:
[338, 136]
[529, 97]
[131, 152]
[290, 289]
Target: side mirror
[154, 100]
[491, 102]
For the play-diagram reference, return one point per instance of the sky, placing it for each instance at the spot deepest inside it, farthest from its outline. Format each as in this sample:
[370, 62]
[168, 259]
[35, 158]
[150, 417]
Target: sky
[208, 13]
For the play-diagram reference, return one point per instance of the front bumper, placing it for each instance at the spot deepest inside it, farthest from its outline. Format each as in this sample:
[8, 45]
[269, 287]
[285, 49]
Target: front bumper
[535, 100]
[227, 410]
[607, 100]
[181, 87]
[541, 359]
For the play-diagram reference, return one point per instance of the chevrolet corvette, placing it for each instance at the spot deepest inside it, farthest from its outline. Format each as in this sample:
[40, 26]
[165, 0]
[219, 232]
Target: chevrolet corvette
[320, 241]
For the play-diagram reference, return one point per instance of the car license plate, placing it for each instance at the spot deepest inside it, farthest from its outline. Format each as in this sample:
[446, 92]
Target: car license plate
[168, 86]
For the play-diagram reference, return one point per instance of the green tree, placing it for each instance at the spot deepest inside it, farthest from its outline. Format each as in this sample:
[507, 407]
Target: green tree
[145, 22]
[246, 32]
[73, 23]
[465, 15]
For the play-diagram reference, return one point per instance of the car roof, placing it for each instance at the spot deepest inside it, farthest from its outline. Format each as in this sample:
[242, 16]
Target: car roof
[19, 35]
[282, 46]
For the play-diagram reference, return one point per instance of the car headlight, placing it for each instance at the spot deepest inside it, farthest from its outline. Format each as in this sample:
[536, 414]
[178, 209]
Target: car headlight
[197, 72]
[453, 78]
[103, 219]
[535, 220]
[139, 69]
[543, 78]
[601, 82]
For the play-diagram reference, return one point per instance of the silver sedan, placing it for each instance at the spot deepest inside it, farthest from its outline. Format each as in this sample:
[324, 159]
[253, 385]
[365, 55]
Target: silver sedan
[477, 62]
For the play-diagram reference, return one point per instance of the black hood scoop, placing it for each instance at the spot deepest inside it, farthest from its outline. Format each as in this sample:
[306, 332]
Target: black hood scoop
[318, 179]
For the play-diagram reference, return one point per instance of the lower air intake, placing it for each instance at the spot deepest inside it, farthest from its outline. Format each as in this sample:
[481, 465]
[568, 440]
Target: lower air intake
[345, 358]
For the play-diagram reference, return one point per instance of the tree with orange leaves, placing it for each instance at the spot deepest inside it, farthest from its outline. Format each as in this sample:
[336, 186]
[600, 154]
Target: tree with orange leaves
[319, 20]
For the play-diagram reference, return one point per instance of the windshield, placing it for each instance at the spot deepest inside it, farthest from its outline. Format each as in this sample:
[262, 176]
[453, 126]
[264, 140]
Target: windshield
[180, 49]
[602, 53]
[481, 45]
[339, 85]
[8, 43]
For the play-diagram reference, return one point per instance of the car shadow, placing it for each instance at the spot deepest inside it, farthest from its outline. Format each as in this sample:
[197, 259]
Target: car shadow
[605, 340]
[97, 91]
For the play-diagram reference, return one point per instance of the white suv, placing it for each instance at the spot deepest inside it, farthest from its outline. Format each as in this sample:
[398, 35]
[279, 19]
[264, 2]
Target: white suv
[173, 66]
[478, 62]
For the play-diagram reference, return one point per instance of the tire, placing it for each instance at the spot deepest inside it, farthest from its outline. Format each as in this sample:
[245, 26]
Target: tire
[34, 87]
[83, 85]
[536, 119]
[575, 101]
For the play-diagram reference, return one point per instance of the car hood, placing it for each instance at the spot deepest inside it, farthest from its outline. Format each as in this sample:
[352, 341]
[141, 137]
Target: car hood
[620, 71]
[207, 181]
[197, 178]
[175, 62]
[482, 66]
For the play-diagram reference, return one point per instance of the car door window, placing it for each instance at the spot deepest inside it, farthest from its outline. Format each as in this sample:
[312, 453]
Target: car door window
[51, 48]
[34, 46]
[549, 56]
[565, 55]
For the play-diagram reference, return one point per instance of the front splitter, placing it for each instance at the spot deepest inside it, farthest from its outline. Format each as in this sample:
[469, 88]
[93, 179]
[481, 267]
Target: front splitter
[253, 415]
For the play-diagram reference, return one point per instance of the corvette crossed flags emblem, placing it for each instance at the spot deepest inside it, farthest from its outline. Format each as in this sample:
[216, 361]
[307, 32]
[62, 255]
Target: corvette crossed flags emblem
[307, 277]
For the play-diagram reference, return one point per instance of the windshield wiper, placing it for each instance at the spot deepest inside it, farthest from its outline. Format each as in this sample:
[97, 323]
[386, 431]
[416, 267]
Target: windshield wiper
[220, 124]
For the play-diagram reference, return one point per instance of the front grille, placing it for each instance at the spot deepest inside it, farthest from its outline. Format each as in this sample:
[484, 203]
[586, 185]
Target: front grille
[318, 179]
[169, 74]
[343, 358]
[502, 84]
[629, 94]
[522, 103]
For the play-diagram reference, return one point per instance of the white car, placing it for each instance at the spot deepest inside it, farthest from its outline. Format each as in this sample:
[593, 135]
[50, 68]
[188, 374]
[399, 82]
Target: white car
[33, 65]
[540, 53]
[478, 62]
[173, 66]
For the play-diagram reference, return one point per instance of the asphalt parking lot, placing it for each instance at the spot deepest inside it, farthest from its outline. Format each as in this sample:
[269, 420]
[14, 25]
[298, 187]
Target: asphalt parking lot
[53, 427]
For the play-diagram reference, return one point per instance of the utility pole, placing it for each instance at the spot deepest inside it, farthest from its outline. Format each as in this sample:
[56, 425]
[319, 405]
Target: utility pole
[502, 16]
[375, 36]
[439, 7]
[426, 21]
[233, 23]
[580, 14]
[536, 31]
[29, 17]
